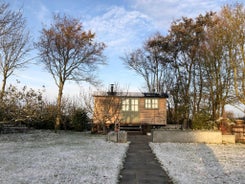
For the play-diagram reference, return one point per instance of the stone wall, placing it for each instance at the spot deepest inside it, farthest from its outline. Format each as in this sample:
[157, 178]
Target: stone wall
[228, 139]
[120, 136]
[187, 136]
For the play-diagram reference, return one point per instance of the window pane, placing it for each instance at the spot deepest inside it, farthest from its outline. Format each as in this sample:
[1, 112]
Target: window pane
[154, 104]
[134, 104]
[147, 103]
[125, 104]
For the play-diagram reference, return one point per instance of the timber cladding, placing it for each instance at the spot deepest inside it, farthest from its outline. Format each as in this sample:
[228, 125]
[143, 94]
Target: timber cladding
[153, 115]
[106, 109]
[136, 109]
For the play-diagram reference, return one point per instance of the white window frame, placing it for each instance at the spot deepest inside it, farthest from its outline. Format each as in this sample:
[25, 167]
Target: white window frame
[151, 103]
[130, 104]
[125, 104]
[134, 104]
[154, 103]
[148, 103]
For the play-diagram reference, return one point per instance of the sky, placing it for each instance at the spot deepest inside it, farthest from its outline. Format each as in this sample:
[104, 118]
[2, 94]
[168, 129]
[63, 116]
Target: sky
[123, 25]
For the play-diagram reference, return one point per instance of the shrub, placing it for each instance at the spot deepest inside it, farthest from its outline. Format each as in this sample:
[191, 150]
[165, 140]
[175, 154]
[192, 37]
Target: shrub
[80, 120]
[46, 118]
[42, 124]
[201, 121]
[20, 103]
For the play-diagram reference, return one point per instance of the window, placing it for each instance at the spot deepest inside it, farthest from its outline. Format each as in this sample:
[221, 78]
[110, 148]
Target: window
[148, 103]
[125, 104]
[154, 103]
[134, 104]
[130, 105]
[151, 103]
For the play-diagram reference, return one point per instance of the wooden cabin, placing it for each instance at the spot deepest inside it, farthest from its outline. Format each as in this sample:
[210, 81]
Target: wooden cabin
[129, 110]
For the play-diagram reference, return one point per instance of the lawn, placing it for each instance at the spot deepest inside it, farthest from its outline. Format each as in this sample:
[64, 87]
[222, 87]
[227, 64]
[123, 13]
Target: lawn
[202, 163]
[74, 157]
[66, 157]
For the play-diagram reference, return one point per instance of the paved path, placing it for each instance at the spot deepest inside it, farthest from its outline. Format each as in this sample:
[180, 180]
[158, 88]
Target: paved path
[141, 166]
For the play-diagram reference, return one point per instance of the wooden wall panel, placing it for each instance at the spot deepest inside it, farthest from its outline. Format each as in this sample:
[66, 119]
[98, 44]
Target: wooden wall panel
[143, 116]
[153, 116]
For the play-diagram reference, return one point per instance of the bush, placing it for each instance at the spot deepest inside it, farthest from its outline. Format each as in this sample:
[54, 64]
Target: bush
[45, 119]
[201, 121]
[80, 120]
[42, 124]
[1, 114]
[20, 103]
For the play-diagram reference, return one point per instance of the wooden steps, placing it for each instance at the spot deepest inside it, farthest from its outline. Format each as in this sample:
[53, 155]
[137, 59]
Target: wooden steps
[131, 128]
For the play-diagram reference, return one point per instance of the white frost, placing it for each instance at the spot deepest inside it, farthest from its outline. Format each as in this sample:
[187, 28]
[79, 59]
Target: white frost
[72, 157]
[66, 157]
[202, 163]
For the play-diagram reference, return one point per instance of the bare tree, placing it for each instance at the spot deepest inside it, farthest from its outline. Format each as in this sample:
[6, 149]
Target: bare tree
[189, 63]
[14, 45]
[216, 69]
[233, 18]
[151, 62]
[69, 53]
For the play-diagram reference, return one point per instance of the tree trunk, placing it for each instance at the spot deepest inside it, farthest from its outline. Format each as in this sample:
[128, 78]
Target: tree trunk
[59, 100]
[3, 88]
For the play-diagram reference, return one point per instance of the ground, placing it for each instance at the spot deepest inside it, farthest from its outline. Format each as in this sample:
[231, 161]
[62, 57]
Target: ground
[202, 163]
[74, 157]
[66, 157]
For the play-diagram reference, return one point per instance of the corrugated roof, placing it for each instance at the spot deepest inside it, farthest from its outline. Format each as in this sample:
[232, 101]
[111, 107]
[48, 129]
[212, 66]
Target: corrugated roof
[130, 94]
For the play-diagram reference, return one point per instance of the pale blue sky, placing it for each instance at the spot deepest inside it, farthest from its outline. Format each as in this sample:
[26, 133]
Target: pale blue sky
[123, 25]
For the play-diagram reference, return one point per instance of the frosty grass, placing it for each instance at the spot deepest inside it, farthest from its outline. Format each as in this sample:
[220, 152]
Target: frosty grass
[66, 157]
[202, 163]
[73, 157]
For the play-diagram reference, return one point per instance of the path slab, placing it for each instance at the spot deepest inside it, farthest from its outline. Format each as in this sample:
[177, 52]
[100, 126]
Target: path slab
[141, 166]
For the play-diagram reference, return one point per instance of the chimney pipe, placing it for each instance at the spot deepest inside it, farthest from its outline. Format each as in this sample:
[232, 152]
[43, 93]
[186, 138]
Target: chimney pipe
[112, 88]
[112, 92]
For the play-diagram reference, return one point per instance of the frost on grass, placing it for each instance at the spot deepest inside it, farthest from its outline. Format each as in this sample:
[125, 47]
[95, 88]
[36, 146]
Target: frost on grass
[202, 163]
[66, 157]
